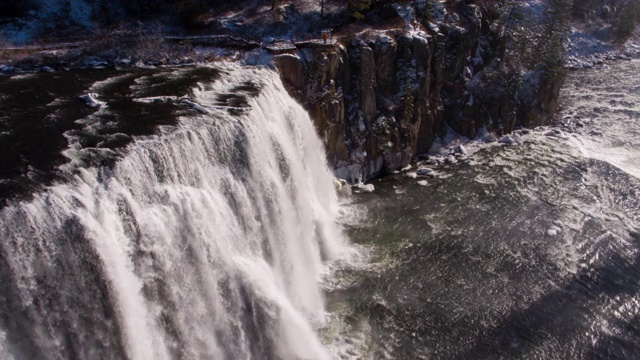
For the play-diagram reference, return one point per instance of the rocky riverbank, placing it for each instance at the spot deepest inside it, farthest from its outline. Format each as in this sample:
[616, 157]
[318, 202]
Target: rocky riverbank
[381, 97]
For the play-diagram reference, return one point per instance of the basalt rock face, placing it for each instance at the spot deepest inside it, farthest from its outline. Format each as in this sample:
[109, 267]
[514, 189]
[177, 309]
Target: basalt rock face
[379, 98]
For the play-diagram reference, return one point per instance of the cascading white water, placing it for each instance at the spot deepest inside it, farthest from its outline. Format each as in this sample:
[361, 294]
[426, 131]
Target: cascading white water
[206, 243]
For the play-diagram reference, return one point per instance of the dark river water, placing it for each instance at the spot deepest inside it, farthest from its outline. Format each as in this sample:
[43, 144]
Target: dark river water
[45, 129]
[525, 252]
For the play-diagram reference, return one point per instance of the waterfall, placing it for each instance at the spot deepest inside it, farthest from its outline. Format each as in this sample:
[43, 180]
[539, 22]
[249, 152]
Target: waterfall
[207, 242]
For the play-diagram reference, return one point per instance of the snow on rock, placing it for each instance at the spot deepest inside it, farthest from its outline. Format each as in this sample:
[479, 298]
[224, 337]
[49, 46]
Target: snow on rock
[489, 138]
[93, 62]
[460, 149]
[411, 175]
[586, 50]
[91, 100]
[407, 14]
[423, 183]
[450, 159]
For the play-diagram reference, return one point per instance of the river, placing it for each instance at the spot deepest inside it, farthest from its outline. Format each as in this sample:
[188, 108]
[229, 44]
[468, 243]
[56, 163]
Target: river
[191, 214]
[527, 251]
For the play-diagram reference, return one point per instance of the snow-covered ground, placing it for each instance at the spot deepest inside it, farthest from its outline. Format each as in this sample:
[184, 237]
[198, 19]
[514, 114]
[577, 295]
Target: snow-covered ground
[585, 49]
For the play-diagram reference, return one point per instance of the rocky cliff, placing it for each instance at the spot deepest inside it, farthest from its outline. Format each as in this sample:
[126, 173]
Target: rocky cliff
[380, 97]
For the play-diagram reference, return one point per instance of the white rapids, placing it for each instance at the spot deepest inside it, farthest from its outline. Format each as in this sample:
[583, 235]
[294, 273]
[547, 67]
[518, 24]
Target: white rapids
[610, 111]
[206, 243]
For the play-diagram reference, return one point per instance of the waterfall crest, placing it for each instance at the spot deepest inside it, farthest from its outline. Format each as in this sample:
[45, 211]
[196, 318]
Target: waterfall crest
[205, 243]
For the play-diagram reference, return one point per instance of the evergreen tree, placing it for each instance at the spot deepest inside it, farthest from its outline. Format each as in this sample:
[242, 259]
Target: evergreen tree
[626, 18]
[356, 8]
[555, 28]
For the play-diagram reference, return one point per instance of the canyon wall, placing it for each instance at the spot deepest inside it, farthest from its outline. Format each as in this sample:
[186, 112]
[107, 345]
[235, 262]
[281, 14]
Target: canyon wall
[381, 97]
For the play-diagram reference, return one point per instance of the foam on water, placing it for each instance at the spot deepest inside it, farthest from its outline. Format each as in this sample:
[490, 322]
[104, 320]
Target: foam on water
[610, 110]
[209, 242]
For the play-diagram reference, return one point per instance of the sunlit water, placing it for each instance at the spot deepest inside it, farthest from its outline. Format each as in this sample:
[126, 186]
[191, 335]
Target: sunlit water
[527, 252]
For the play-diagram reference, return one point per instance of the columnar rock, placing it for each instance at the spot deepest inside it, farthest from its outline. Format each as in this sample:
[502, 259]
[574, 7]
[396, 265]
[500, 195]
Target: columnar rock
[381, 97]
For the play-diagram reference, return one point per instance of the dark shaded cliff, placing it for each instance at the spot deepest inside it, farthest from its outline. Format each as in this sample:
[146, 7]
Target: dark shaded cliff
[380, 97]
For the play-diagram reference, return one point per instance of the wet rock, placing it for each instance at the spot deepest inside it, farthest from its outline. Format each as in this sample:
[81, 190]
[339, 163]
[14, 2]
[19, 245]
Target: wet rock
[342, 187]
[47, 69]
[425, 171]
[291, 71]
[95, 63]
[363, 188]
[508, 140]
[554, 133]
[154, 62]
[91, 100]
[381, 307]
[460, 149]
[115, 141]
[406, 168]
[195, 106]
[489, 138]
[123, 62]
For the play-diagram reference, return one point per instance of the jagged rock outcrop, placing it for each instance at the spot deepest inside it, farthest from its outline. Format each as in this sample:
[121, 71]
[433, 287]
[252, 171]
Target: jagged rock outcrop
[379, 98]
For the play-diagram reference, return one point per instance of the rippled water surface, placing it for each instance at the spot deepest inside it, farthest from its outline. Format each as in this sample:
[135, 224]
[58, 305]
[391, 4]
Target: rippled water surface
[46, 129]
[527, 252]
